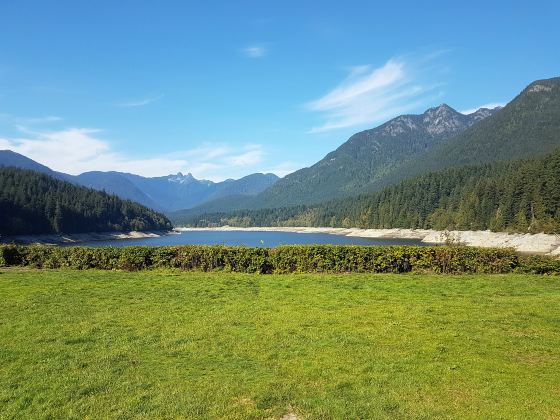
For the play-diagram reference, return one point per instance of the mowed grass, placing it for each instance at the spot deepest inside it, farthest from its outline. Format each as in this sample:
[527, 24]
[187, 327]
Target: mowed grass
[100, 344]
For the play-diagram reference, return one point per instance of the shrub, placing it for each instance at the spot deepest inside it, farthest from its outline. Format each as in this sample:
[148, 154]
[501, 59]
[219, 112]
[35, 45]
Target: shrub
[10, 255]
[283, 259]
[538, 264]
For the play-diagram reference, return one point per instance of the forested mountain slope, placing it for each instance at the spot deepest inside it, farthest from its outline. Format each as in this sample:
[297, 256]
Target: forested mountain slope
[409, 146]
[35, 203]
[368, 156]
[521, 195]
[528, 126]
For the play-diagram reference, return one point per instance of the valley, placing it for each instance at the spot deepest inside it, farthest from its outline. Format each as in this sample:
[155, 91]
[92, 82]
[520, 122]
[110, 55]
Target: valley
[494, 169]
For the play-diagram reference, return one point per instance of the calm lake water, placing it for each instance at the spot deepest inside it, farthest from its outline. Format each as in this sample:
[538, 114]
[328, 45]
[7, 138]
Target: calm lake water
[260, 239]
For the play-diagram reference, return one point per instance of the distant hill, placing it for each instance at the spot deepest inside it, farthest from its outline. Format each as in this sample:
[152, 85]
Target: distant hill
[184, 191]
[223, 199]
[249, 185]
[35, 203]
[164, 193]
[114, 183]
[521, 195]
[13, 159]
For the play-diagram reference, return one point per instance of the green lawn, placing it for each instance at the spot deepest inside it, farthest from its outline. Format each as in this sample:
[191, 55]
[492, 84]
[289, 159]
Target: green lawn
[153, 344]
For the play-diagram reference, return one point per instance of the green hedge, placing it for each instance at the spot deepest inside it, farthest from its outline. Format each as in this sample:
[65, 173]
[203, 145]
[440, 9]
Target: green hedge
[283, 259]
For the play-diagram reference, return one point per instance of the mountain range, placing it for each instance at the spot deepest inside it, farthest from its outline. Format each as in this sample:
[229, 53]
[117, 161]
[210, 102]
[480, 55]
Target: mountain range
[517, 196]
[369, 156]
[166, 193]
[412, 145]
[403, 148]
[501, 172]
[365, 160]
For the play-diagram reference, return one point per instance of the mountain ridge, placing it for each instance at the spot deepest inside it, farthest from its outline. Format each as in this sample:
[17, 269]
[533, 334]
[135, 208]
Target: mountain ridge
[360, 161]
[164, 193]
[518, 195]
[439, 138]
[528, 126]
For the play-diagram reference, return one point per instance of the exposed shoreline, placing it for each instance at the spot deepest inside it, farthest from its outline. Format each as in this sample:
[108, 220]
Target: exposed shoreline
[76, 238]
[540, 243]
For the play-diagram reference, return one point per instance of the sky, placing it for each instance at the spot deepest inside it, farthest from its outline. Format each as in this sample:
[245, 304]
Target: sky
[223, 89]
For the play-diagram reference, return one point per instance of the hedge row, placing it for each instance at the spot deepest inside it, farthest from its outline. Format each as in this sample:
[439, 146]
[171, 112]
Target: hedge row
[283, 259]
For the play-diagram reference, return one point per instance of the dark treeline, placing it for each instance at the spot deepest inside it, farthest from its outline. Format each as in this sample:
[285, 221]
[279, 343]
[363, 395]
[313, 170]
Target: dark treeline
[521, 196]
[34, 203]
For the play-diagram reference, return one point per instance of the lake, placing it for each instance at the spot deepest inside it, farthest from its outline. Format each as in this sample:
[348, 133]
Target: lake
[251, 238]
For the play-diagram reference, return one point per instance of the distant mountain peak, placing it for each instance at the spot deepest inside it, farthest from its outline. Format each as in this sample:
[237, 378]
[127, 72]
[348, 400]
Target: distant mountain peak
[181, 179]
[171, 192]
[442, 109]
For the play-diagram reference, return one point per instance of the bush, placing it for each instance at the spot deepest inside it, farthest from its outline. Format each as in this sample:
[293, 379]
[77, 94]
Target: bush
[538, 264]
[283, 259]
[10, 255]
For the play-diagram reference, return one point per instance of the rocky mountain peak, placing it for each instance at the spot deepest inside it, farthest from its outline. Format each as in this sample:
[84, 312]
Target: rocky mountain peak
[437, 121]
[180, 178]
[442, 110]
[442, 119]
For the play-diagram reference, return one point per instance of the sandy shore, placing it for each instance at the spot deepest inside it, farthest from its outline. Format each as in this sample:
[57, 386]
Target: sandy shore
[76, 238]
[523, 242]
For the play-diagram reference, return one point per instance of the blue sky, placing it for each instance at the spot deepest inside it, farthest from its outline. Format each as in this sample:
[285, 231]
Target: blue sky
[224, 89]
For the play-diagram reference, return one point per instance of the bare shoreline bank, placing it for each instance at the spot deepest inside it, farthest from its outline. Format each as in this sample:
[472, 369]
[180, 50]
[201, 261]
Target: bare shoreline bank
[547, 244]
[540, 243]
[77, 238]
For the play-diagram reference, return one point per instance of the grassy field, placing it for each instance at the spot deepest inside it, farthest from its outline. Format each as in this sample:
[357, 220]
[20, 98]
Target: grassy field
[169, 344]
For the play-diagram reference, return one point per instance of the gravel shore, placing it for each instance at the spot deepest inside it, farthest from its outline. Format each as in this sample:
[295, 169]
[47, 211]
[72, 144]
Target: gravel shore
[539, 243]
[76, 238]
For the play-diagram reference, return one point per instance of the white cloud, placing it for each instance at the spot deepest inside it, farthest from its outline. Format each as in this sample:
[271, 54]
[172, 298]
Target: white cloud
[139, 102]
[491, 105]
[77, 150]
[251, 155]
[255, 51]
[369, 95]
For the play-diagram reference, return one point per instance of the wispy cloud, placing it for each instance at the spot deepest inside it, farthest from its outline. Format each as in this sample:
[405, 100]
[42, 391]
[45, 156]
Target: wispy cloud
[77, 150]
[139, 102]
[491, 105]
[12, 119]
[255, 51]
[368, 95]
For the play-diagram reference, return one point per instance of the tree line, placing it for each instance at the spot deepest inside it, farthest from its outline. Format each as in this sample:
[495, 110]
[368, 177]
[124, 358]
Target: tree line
[35, 203]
